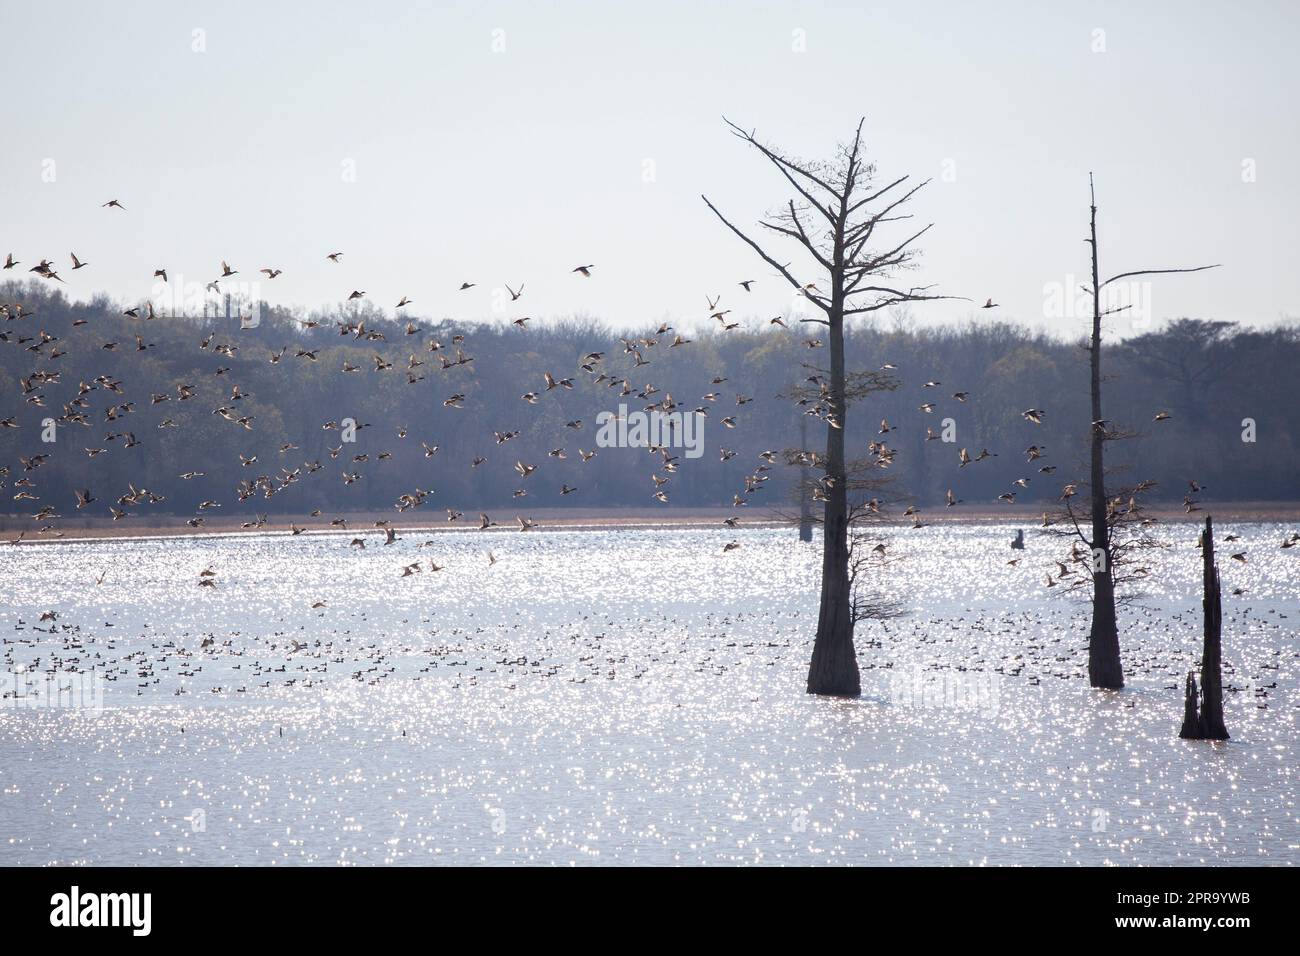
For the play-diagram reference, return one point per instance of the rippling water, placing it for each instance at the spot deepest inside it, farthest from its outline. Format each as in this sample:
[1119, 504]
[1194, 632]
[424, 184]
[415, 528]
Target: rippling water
[630, 696]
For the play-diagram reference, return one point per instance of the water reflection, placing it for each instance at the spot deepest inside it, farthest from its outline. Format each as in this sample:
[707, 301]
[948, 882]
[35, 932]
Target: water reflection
[629, 696]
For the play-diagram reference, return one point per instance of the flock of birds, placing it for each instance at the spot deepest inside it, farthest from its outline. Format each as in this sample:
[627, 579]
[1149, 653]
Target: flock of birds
[373, 661]
[1034, 646]
[814, 397]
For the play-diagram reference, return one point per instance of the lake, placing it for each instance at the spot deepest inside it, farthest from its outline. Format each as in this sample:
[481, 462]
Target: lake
[629, 696]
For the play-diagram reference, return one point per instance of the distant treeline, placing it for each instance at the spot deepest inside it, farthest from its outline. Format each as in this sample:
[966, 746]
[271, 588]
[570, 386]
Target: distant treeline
[1210, 377]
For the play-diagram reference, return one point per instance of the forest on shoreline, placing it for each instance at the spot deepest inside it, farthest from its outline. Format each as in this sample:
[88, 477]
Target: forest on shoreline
[1211, 378]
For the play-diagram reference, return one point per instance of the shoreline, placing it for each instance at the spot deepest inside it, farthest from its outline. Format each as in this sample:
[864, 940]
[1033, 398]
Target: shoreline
[592, 519]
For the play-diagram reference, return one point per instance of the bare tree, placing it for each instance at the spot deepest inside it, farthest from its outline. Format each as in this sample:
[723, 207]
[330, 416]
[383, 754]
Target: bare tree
[833, 218]
[1104, 667]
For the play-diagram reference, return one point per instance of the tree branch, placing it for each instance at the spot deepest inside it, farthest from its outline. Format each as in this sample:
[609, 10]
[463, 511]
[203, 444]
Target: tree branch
[825, 307]
[787, 168]
[1152, 272]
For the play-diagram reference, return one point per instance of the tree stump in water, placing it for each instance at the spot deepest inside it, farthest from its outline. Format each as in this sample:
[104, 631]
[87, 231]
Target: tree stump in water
[1191, 729]
[1203, 718]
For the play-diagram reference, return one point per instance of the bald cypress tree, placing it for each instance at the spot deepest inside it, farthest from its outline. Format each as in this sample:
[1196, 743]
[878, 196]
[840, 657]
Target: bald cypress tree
[837, 219]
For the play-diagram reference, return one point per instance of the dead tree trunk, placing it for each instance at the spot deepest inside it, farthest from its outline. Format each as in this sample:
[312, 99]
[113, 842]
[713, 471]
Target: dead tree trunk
[1212, 726]
[1104, 667]
[1206, 721]
[1191, 729]
[834, 217]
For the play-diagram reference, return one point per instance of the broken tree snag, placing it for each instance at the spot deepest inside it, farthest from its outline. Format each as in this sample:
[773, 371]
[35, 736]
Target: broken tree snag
[1207, 724]
[1191, 729]
[1212, 727]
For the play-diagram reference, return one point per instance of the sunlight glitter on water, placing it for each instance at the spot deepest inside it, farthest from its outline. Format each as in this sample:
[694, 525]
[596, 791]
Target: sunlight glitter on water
[631, 696]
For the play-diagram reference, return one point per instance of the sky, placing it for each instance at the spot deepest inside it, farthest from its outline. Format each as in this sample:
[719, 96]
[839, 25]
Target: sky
[493, 143]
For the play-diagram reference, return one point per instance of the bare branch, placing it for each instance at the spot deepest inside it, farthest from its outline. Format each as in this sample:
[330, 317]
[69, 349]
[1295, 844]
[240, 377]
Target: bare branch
[877, 194]
[897, 300]
[789, 168]
[1152, 272]
[794, 217]
[880, 215]
[798, 235]
[883, 260]
[825, 307]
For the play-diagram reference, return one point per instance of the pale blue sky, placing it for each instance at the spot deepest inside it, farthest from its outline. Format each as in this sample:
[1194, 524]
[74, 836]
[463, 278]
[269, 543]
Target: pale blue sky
[515, 166]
